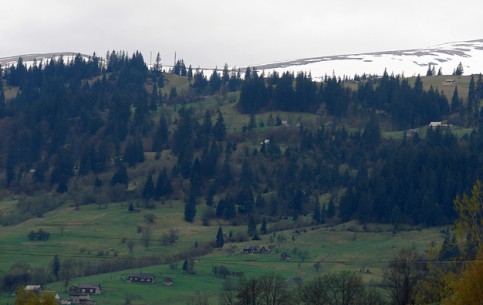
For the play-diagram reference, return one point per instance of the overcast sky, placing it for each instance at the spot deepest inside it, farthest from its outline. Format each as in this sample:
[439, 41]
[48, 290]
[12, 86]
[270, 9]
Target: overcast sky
[243, 32]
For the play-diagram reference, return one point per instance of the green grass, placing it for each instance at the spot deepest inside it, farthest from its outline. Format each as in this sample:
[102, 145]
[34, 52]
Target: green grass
[439, 82]
[98, 228]
[181, 83]
[337, 248]
[10, 92]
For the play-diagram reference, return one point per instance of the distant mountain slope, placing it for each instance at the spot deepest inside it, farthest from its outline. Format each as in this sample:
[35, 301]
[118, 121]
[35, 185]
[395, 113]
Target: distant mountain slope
[45, 57]
[408, 62]
[446, 56]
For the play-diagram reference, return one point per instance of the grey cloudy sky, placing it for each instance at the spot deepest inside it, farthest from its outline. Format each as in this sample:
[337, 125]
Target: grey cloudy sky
[244, 32]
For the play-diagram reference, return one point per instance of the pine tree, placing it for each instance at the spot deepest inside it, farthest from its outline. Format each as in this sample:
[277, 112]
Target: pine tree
[219, 130]
[188, 266]
[160, 139]
[220, 241]
[190, 208]
[210, 196]
[157, 64]
[263, 228]
[2, 98]
[195, 178]
[459, 70]
[153, 105]
[252, 227]
[331, 209]
[230, 209]
[163, 185]
[215, 82]
[455, 100]
[473, 102]
[55, 267]
[225, 76]
[120, 176]
[207, 125]
[149, 190]
[317, 214]
[134, 152]
[190, 74]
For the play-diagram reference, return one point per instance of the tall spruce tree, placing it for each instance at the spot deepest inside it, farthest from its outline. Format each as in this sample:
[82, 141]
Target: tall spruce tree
[163, 185]
[219, 130]
[120, 176]
[149, 191]
[190, 208]
[220, 241]
[316, 217]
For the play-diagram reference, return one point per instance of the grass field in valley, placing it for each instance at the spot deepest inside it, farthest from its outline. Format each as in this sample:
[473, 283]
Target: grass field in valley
[92, 229]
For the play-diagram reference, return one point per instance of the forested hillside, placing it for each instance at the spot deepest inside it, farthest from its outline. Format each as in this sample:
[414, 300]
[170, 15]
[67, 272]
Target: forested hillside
[83, 129]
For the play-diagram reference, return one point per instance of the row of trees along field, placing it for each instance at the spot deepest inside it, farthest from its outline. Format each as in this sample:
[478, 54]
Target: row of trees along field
[85, 121]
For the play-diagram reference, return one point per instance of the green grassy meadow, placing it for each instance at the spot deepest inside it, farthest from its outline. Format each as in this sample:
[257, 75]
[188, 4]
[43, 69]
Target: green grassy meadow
[93, 229]
[439, 83]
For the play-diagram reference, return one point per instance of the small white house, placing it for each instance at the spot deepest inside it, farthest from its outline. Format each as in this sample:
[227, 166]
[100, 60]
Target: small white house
[438, 124]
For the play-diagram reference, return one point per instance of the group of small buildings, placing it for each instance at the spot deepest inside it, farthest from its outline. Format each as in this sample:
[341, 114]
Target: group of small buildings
[433, 125]
[81, 294]
[254, 249]
[147, 278]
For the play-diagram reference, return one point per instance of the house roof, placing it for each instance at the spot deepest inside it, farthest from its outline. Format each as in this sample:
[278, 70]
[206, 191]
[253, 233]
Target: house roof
[142, 275]
[89, 285]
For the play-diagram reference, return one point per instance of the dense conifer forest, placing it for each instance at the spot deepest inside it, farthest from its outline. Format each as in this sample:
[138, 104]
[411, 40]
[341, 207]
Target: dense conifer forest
[82, 127]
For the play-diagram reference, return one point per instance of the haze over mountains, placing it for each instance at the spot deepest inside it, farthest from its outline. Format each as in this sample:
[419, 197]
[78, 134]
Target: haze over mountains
[403, 62]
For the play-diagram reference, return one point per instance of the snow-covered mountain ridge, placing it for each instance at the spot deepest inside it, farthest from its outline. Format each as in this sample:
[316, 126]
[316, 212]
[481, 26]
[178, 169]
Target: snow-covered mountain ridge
[411, 62]
[403, 62]
[29, 59]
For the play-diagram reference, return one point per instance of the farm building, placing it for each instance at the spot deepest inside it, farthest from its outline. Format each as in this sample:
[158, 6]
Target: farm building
[86, 288]
[141, 278]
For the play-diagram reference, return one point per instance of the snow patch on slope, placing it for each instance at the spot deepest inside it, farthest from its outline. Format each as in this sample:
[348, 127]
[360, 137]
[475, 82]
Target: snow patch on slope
[405, 62]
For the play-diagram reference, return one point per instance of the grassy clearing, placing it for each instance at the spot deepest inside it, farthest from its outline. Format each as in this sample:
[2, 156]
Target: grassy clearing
[10, 92]
[181, 83]
[343, 247]
[439, 82]
[94, 230]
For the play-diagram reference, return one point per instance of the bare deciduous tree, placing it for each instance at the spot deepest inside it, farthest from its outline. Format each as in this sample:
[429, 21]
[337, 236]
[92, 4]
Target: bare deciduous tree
[274, 290]
[130, 246]
[170, 238]
[67, 270]
[146, 236]
[401, 276]
[342, 288]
